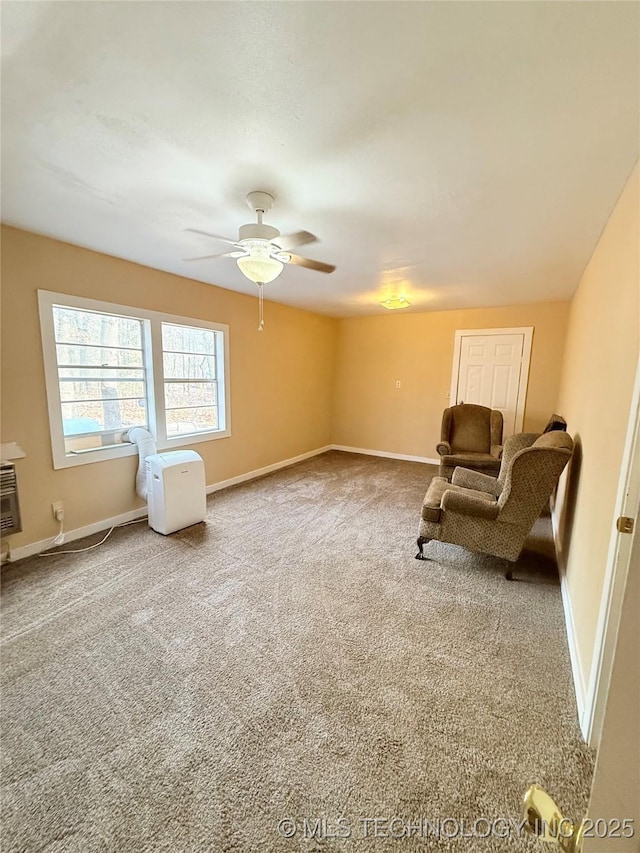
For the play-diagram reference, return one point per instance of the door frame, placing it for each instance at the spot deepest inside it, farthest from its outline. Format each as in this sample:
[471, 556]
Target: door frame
[616, 571]
[523, 379]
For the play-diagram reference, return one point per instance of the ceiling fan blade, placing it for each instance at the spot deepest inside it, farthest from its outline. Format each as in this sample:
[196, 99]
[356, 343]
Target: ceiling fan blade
[288, 241]
[215, 236]
[237, 254]
[319, 266]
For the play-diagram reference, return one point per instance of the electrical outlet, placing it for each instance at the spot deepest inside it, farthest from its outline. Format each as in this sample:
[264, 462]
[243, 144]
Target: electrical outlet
[57, 508]
[398, 383]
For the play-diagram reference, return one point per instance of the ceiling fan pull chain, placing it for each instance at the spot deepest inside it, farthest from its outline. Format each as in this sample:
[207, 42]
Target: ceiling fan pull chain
[260, 306]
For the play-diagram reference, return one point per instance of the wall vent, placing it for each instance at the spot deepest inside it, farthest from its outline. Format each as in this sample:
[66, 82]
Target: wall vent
[9, 505]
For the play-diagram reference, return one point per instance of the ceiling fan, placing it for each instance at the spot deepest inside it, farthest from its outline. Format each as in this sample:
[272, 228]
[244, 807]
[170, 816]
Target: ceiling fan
[260, 250]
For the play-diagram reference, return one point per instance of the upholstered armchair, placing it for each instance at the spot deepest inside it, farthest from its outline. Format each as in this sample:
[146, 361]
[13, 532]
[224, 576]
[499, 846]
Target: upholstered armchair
[494, 515]
[471, 437]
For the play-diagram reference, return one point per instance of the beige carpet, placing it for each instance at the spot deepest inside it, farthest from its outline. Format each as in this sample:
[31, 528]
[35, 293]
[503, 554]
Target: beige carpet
[287, 659]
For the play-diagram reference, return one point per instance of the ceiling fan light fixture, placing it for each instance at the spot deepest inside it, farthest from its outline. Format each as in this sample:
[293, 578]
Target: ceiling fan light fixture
[260, 269]
[394, 302]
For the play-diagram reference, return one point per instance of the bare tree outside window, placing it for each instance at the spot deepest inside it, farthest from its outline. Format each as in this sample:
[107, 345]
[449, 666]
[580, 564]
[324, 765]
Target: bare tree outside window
[101, 376]
[191, 381]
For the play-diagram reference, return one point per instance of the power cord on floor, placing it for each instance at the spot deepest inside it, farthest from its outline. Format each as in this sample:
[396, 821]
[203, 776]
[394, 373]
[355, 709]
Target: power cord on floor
[89, 547]
[59, 540]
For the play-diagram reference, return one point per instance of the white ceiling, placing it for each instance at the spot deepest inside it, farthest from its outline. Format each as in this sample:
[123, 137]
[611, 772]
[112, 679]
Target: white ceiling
[459, 153]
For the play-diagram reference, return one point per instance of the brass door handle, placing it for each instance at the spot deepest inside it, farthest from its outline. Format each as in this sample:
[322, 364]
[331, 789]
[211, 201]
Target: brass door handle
[624, 524]
[544, 819]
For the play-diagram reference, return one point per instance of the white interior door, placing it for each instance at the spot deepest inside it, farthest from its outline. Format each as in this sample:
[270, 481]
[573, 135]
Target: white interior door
[614, 687]
[491, 369]
[615, 793]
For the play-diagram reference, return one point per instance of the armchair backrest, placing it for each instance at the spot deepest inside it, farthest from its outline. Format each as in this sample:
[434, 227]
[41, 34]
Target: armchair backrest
[512, 445]
[472, 429]
[530, 475]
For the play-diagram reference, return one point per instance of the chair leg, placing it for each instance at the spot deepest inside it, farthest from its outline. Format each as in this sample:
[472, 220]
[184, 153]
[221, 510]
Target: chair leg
[421, 542]
[509, 573]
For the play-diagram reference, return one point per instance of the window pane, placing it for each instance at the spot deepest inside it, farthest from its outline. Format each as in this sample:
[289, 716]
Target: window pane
[189, 394]
[98, 356]
[199, 419]
[188, 339]
[182, 366]
[82, 391]
[103, 385]
[88, 327]
[189, 355]
[82, 417]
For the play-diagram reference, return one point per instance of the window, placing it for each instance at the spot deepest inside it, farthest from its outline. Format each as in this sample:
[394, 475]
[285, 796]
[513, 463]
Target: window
[190, 379]
[101, 377]
[109, 368]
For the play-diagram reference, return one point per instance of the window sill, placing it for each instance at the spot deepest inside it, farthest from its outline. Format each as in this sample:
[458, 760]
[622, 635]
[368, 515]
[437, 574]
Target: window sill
[103, 454]
[193, 438]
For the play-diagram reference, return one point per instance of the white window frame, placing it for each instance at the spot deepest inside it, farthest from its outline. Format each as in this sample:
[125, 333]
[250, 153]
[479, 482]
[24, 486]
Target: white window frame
[152, 347]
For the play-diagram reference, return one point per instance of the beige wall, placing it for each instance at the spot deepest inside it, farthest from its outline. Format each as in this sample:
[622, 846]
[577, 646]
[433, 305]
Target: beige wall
[308, 381]
[281, 379]
[417, 349]
[601, 358]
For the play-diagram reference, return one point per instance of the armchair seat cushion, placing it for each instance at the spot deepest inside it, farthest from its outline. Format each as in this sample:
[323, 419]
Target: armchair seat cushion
[472, 460]
[469, 479]
[432, 504]
[485, 463]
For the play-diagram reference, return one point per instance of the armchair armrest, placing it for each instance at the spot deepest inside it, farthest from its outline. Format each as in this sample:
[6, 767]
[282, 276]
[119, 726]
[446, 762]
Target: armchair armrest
[469, 479]
[443, 448]
[496, 450]
[469, 505]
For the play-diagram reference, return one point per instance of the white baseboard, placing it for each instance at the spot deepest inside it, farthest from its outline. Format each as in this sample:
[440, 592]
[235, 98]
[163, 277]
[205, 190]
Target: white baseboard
[576, 666]
[268, 469]
[29, 550]
[80, 532]
[384, 454]
[579, 686]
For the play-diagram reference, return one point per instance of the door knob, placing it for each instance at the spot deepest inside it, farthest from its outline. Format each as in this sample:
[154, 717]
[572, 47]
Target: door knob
[544, 819]
[625, 524]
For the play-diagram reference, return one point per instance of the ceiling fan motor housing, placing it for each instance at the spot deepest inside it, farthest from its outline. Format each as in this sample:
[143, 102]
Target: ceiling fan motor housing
[258, 231]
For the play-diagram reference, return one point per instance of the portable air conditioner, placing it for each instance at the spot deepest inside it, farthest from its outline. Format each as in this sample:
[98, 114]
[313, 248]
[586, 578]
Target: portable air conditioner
[176, 495]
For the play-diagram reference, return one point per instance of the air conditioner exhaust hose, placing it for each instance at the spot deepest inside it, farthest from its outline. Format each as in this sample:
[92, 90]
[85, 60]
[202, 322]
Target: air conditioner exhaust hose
[146, 447]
